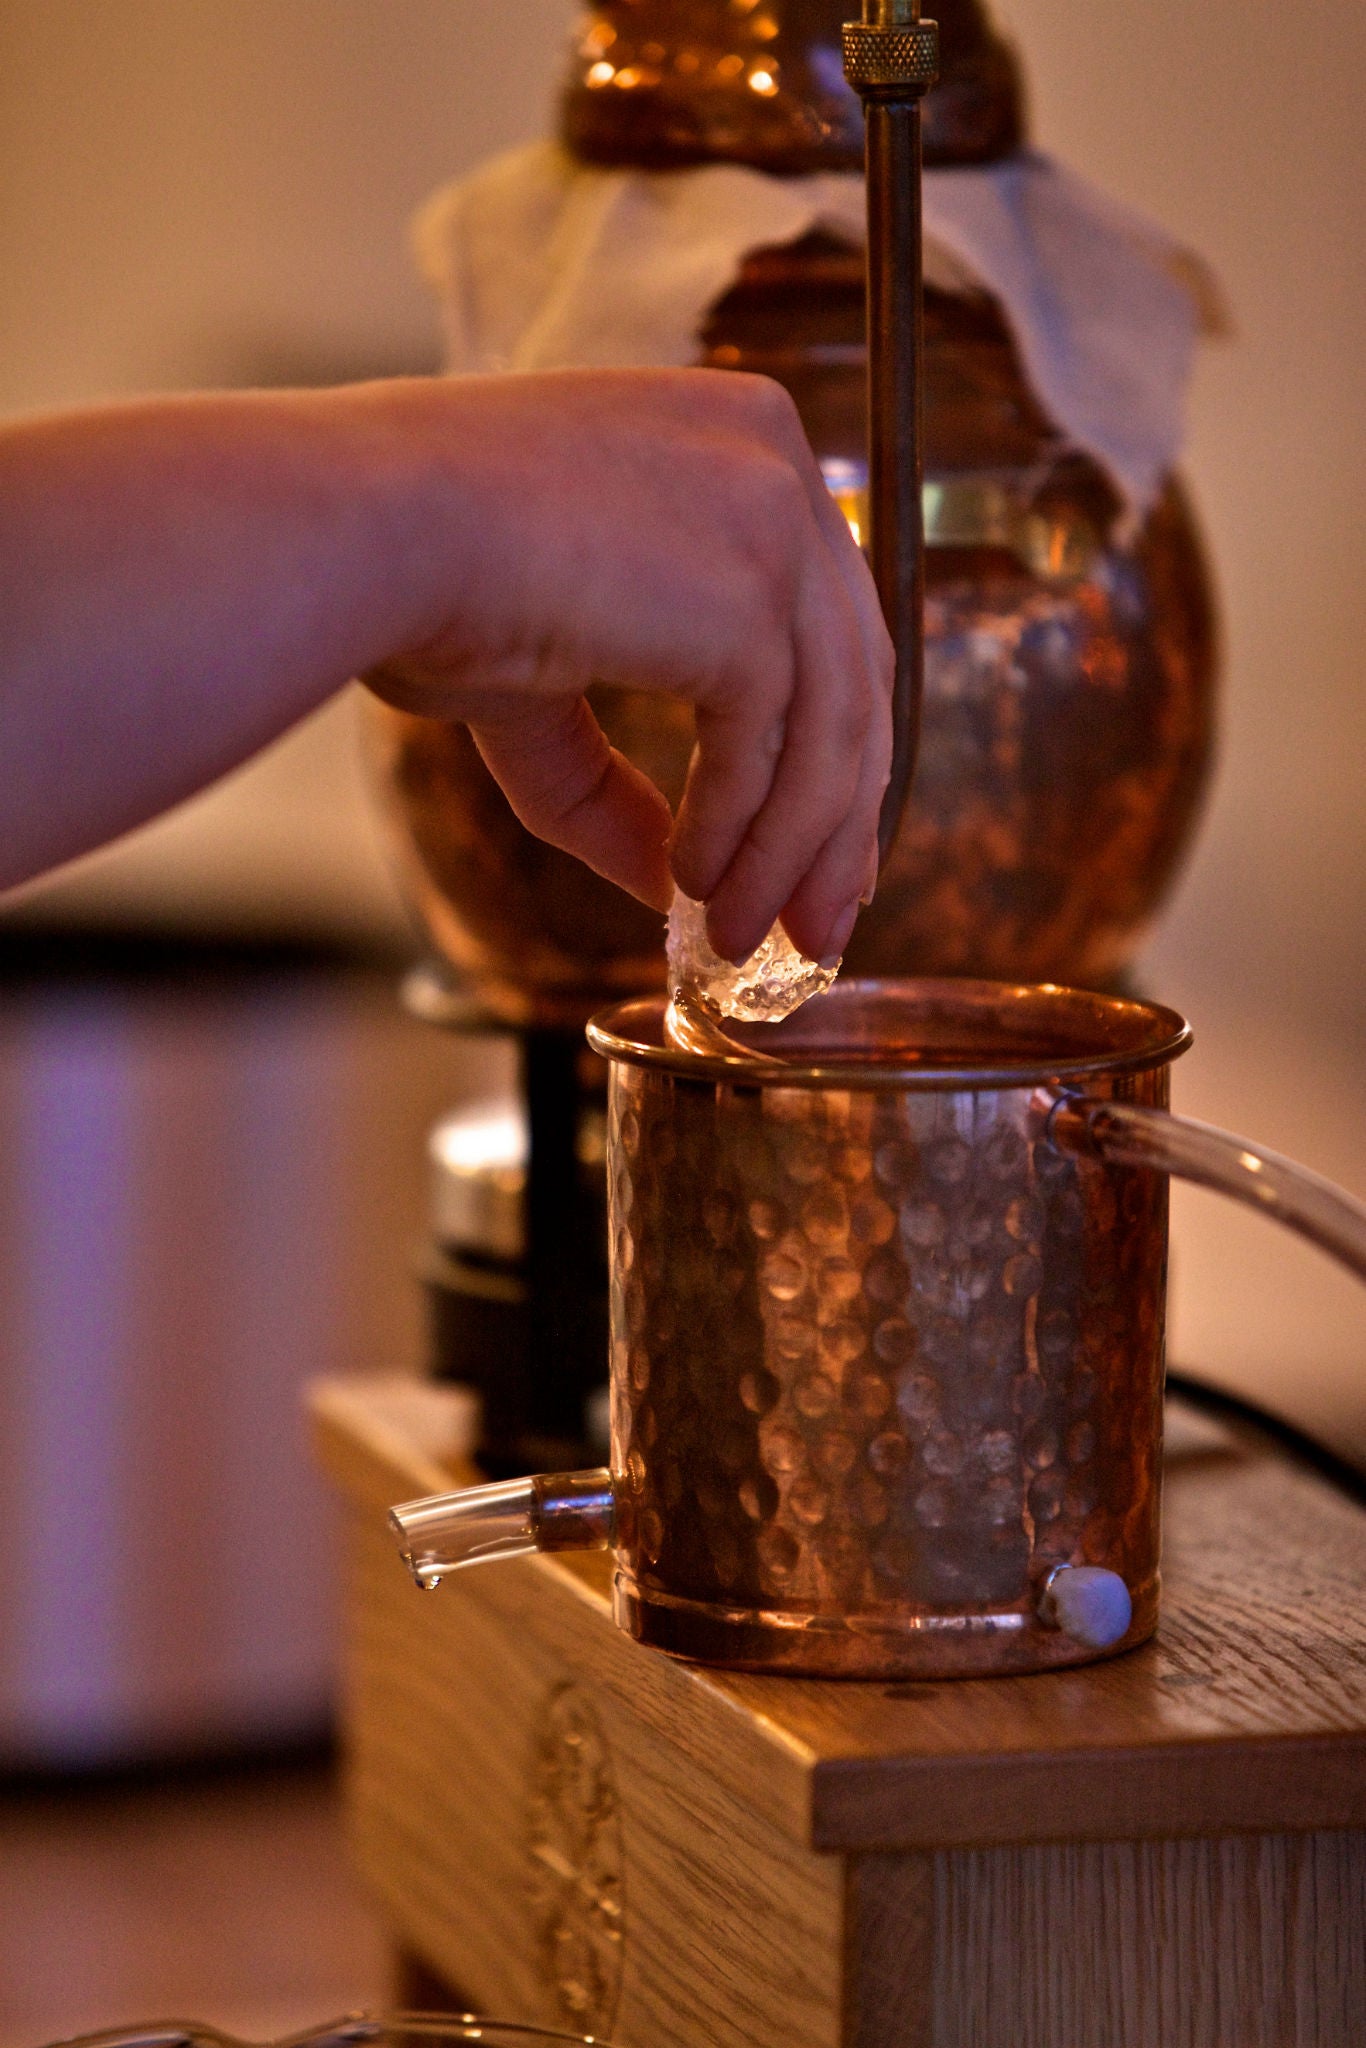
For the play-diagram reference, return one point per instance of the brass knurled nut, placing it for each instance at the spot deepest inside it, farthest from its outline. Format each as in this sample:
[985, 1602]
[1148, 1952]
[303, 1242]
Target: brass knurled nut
[891, 58]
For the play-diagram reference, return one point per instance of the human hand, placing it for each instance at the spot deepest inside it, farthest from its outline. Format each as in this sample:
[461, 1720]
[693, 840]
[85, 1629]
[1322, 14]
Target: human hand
[670, 531]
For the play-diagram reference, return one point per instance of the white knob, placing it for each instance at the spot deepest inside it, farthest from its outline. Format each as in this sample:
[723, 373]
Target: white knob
[1087, 1603]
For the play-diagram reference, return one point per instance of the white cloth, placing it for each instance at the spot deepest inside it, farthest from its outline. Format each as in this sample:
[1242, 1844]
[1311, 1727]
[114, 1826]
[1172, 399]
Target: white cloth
[541, 262]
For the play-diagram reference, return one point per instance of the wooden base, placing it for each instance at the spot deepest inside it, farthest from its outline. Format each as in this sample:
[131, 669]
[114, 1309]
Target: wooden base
[1164, 1851]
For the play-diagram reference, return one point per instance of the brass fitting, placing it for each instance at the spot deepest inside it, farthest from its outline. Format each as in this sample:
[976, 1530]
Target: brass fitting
[891, 52]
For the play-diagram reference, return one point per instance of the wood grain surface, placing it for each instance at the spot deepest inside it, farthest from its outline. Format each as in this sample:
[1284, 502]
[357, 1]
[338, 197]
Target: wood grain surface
[1157, 1852]
[731, 1934]
[1247, 1713]
[889, 1948]
[1249, 1942]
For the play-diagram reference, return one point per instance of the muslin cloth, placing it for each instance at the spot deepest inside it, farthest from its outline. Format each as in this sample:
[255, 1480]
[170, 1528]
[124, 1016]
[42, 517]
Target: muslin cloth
[541, 262]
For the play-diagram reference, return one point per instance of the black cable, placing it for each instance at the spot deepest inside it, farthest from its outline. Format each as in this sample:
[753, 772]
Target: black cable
[1340, 1472]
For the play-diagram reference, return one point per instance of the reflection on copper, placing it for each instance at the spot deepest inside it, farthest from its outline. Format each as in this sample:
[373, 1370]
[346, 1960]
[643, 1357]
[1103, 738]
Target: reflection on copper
[1068, 718]
[703, 103]
[882, 1357]
[1068, 731]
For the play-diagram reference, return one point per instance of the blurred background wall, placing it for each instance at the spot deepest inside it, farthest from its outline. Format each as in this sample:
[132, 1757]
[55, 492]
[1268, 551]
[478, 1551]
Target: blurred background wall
[1237, 127]
[211, 1118]
[218, 193]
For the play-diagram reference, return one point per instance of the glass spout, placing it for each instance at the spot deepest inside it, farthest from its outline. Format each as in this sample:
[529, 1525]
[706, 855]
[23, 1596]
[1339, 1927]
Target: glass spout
[479, 1524]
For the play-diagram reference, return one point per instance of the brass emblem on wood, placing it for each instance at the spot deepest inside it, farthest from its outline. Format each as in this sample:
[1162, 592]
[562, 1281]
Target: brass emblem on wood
[575, 1861]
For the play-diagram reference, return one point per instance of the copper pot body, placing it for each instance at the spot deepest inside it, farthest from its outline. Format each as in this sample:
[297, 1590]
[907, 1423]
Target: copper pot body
[883, 1357]
[1070, 663]
[1068, 721]
[666, 84]
[538, 937]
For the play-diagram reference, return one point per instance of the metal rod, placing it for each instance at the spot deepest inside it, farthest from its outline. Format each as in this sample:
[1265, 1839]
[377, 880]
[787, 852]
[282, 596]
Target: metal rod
[896, 540]
[891, 60]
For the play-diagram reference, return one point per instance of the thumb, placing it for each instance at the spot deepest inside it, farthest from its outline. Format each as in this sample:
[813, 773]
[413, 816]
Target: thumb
[570, 786]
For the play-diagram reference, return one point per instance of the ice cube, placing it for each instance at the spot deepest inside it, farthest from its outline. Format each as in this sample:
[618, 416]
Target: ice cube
[774, 981]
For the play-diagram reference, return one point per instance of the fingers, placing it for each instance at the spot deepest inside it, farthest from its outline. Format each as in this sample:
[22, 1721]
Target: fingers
[758, 406]
[820, 915]
[808, 848]
[784, 423]
[794, 745]
[572, 789]
[667, 531]
[808, 762]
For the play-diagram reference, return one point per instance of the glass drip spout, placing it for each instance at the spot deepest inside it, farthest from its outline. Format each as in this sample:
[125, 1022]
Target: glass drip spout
[556, 1511]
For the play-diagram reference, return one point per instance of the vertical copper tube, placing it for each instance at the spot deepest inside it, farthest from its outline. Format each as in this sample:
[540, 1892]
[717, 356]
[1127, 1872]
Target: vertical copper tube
[896, 540]
[891, 59]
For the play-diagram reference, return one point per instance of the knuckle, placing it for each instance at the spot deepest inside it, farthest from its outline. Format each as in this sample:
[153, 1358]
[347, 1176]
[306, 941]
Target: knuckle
[578, 786]
[765, 840]
[765, 610]
[760, 401]
[775, 408]
[780, 498]
[834, 800]
[854, 720]
[772, 739]
[881, 703]
[565, 769]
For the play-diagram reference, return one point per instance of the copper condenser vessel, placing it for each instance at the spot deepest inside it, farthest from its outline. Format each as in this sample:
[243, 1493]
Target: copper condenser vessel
[887, 1309]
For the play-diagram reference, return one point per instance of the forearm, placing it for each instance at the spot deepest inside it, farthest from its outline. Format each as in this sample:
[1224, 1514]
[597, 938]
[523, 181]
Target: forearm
[181, 580]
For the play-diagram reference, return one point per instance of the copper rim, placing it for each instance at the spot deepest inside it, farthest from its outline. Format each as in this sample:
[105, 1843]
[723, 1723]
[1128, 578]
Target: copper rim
[998, 1026]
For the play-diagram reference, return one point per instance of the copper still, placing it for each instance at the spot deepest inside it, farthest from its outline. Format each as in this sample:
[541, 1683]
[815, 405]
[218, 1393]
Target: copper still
[1069, 666]
[887, 1310]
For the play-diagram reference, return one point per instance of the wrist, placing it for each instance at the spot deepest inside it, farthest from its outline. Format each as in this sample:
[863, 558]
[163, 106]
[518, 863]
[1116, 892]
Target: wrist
[406, 466]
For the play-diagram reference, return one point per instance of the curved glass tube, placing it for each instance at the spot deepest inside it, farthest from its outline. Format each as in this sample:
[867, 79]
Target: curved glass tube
[353, 2030]
[1127, 1134]
[553, 1511]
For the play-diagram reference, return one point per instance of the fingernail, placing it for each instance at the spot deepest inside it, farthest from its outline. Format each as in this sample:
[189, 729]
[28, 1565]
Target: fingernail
[871, 884]
[838, 936]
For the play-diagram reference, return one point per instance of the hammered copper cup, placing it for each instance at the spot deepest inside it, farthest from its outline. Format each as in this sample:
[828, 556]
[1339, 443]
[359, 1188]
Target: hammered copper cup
[887, 1333]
